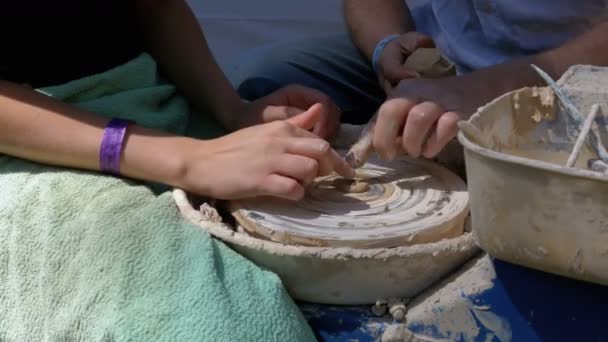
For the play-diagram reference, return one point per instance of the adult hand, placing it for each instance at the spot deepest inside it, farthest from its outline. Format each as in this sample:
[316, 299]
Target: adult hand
[287, 102]
[420, 116]
[391, 69]
[274, 159]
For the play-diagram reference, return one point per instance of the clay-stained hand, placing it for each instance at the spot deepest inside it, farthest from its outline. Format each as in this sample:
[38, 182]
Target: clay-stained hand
[420, 116]
[273, 159]
[287, 102]
[394, 55]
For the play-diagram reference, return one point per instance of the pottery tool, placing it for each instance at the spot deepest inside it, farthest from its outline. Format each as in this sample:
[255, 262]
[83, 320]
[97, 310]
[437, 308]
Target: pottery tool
[360, 151]
[389, 203]
[578, 145]
[593, 138]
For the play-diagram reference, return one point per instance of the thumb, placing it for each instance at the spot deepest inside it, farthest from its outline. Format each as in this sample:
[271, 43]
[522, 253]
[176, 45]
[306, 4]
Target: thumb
[415, 40]
[395, 72]
[308, 119]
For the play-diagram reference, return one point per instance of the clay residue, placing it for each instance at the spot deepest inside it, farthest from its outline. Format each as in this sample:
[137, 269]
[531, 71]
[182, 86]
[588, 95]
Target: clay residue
[553, 157]
[350, 185]
[421, 197]
[532, 107]
[446, 309]
[210, 213]
[400, 333]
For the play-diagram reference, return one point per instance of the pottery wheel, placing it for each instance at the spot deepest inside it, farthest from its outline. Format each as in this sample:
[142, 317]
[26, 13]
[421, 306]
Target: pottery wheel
[401, 202]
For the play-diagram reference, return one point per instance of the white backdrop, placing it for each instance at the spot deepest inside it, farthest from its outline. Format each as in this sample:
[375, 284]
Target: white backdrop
[233, 26]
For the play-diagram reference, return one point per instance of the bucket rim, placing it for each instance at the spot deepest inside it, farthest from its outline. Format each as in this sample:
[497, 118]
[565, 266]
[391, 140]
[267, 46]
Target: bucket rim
[532, 163]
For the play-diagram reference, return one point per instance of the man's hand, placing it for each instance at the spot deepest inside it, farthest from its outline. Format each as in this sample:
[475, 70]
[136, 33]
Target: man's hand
[420, 116]
[284, 104]
[394, 56]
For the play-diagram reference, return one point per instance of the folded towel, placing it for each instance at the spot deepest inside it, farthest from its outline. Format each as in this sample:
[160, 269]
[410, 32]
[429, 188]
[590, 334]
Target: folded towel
[87, 257]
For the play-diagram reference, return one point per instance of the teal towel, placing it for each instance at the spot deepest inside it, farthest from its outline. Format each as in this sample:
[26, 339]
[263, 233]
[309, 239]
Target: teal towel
[87, 257]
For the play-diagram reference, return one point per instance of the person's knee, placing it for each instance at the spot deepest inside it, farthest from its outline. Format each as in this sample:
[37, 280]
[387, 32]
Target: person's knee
[270, 68]
[262, 71]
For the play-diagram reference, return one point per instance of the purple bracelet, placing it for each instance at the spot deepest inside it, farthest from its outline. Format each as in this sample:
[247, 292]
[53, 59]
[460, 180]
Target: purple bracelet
[111, 146]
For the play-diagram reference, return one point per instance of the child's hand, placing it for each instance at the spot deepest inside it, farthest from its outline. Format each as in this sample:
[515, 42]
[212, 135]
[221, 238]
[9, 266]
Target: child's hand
[287, 102]
[274, 159]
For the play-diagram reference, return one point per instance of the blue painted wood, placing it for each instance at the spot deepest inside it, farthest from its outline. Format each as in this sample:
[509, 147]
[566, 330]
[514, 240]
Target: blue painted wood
[538, 307]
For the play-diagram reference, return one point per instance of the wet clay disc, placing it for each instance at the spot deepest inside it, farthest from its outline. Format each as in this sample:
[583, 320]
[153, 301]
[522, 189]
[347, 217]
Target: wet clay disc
[401, 202]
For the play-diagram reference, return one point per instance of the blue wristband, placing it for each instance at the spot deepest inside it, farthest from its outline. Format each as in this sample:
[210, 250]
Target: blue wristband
[378, 51]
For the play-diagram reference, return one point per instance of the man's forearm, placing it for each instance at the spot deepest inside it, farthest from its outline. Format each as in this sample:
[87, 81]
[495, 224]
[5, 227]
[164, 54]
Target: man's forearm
[176, 41]
[39, 128]
[588, 48]
[370, 21]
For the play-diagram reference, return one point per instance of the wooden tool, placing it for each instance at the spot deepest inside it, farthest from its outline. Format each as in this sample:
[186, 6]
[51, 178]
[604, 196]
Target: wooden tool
[358, 154]
[578, 145]
[593, 139]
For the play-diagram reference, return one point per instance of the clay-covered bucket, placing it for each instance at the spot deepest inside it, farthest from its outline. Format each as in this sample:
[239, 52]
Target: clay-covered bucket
[526, 207]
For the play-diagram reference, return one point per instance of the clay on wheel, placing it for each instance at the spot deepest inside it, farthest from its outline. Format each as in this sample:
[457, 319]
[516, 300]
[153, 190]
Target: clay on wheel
[402, 202]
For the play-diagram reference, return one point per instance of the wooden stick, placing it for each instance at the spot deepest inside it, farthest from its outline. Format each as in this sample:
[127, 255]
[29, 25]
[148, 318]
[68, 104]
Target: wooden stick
[578, 145]
[593, 139]
[359, 152]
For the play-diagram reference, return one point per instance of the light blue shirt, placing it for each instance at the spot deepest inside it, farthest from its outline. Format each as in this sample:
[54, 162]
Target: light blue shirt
[480, 33]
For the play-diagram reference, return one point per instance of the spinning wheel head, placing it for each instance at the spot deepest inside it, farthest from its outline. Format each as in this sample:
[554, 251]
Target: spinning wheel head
[402, 202]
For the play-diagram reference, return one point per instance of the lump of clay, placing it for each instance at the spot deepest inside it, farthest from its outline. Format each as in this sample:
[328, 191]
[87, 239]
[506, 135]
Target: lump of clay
[350, 185]
[429, 63]
[397, 308]
[397, 333]
[379, 309]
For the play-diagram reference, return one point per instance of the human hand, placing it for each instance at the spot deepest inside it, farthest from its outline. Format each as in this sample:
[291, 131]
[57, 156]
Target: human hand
[274, 159]
[391, 62]
[287, 102]
[420, 116]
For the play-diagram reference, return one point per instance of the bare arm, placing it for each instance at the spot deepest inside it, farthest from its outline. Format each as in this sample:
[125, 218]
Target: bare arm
[42, 129]
[176, 41]
[432, 107]
[39, 128]
[283, 158]
[370, 21]
[488, 83]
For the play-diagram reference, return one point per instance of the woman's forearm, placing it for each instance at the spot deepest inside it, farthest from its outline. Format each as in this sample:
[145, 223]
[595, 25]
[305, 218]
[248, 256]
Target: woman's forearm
[176, 41]
[39, 128]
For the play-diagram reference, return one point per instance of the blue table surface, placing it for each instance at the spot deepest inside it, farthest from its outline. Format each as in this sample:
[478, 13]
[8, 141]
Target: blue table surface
[537, 306]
